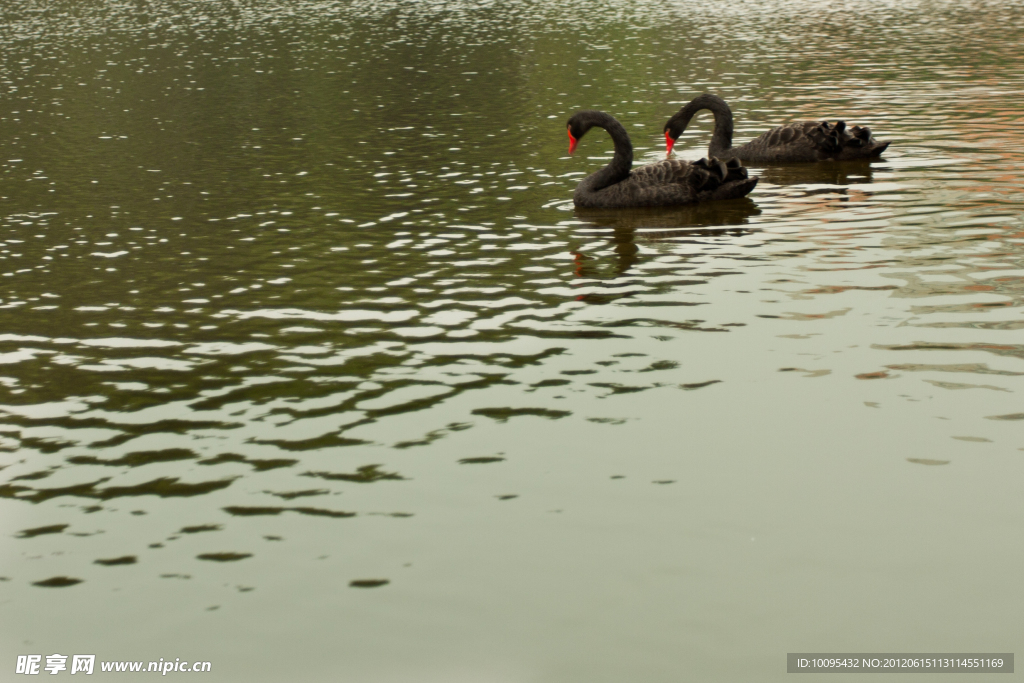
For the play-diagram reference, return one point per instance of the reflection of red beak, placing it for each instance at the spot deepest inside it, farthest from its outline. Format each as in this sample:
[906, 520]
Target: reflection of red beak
[668, 143]
[572, 142]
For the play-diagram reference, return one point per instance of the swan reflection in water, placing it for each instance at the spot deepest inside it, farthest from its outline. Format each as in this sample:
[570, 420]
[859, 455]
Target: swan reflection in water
[621, 229]
[712, 217]
[822, 173]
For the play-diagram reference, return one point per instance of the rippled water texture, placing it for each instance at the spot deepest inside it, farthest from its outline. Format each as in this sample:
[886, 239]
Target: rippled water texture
[309, 368]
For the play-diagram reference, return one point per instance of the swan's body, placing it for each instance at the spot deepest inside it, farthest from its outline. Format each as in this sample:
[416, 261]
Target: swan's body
[666, 183]
[797, 141]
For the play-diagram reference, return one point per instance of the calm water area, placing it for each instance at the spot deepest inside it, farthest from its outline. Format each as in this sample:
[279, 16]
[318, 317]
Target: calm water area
[310, 369]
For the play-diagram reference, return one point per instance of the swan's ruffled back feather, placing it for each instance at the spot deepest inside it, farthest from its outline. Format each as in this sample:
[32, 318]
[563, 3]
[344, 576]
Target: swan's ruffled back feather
[811, 141]
[673, 183]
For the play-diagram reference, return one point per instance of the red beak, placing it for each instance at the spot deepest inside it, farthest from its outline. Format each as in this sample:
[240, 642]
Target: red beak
[572, 142]
[669, 142]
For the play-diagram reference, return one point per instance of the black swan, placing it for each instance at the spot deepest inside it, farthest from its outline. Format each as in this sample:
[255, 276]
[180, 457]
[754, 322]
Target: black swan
[666, 183]
[797, 141]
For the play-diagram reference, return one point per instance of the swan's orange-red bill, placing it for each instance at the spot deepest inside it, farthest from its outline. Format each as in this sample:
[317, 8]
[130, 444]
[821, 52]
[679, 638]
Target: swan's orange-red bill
[572, 141]
[668, 143]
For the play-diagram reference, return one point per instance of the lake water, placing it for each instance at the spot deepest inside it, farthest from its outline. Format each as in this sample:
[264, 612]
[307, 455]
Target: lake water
[310, 369]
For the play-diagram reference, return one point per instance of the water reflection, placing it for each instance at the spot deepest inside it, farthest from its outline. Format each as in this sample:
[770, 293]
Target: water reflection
[279, 278]
[708, 216]
[611, 247]
[823, 173]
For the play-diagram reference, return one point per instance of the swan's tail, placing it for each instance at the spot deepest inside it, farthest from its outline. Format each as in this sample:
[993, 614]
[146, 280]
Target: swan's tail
[877, 150]
[734, 189]
[859, 143]
[726, 179]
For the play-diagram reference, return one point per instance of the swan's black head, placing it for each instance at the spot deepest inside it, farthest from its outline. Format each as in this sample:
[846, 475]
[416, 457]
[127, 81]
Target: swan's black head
[576, 131]
[580, 123]
[673, 129]
[678, 123]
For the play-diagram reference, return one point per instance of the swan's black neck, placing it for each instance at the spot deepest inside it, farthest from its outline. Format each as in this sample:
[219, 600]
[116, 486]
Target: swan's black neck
[620, 165]
[721, 139]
